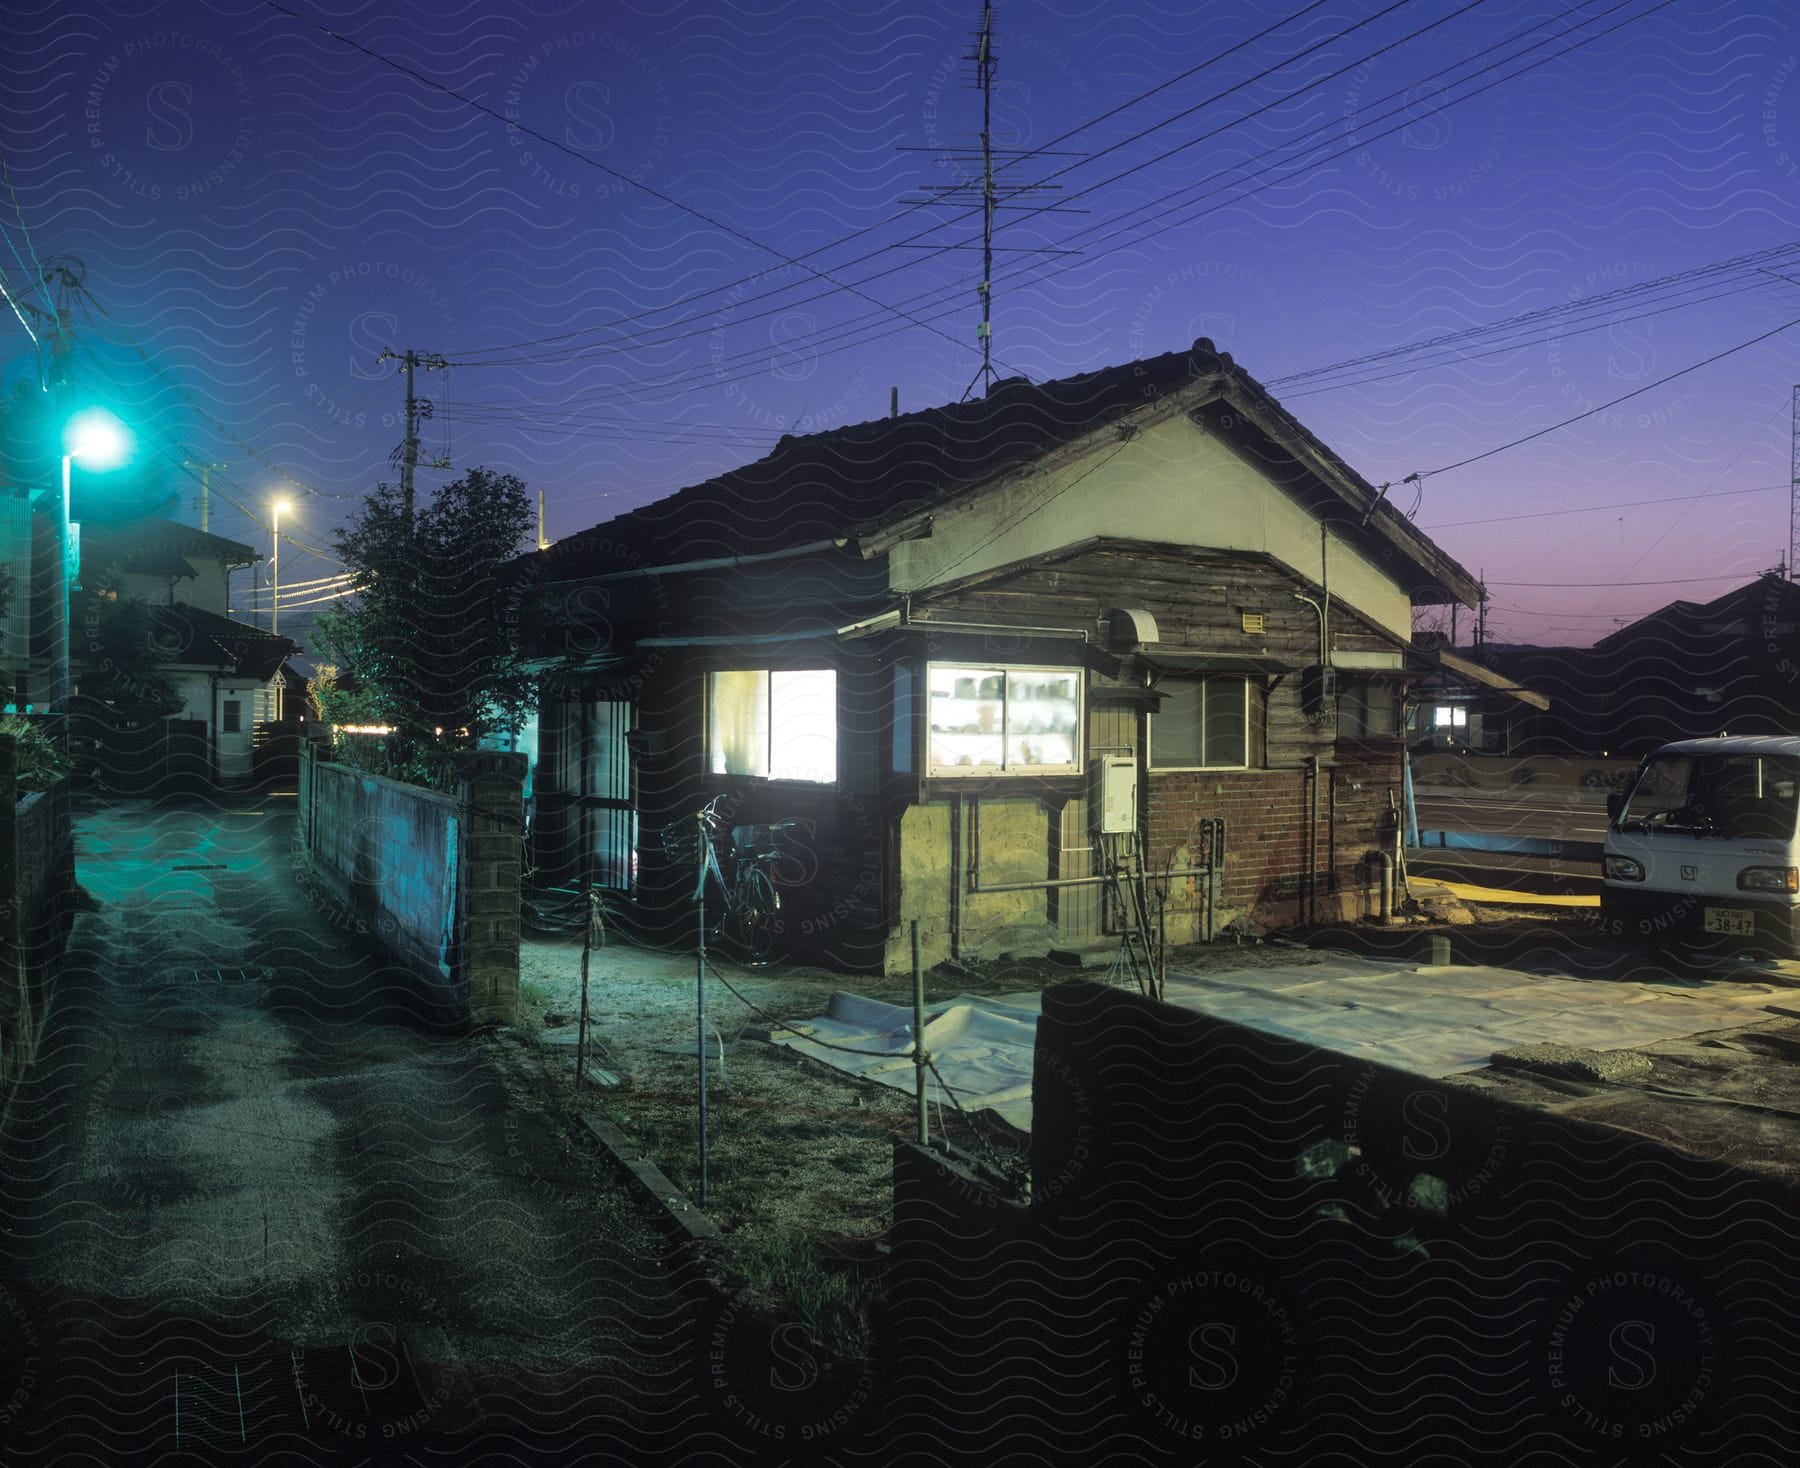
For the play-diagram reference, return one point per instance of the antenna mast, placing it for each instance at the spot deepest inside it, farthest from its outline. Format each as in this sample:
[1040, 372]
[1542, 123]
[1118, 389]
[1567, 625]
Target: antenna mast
[993, 196]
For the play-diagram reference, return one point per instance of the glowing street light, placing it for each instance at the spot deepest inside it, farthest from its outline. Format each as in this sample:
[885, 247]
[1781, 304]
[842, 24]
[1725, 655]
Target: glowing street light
[100, 442]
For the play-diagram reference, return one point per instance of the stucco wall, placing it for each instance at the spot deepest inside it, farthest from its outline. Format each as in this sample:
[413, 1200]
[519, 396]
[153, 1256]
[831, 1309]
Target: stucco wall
[1174, 483]
[391, 852]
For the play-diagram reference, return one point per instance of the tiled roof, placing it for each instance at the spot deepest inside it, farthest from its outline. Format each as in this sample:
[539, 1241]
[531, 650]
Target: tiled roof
[191, 636]
[851, 480]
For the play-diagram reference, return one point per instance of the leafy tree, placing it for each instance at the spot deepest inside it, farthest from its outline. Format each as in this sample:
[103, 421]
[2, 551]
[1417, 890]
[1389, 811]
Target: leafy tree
[423, 638]
[120, 652]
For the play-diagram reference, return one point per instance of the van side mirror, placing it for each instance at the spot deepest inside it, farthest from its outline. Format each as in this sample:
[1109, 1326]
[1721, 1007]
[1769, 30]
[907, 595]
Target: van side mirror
[1615, 802]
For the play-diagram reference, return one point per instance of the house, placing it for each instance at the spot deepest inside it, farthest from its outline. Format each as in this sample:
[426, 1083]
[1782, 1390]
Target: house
[1459, 705]
[946, 642]
[228, 674]
[1685, 671]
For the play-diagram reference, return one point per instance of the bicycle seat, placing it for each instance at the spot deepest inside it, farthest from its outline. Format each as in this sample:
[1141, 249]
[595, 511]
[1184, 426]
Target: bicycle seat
[758, 841]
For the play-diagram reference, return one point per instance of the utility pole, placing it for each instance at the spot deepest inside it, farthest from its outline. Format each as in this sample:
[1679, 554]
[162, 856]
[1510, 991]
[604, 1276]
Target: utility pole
[542, 543]
[417, 410]
[205, 486]
[1481, 613]
[1794, 493]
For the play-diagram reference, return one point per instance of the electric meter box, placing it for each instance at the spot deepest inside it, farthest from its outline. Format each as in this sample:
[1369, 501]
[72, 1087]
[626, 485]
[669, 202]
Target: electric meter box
[1112, 795]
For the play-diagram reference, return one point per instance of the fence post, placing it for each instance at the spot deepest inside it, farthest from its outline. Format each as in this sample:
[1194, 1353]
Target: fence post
[487, 892]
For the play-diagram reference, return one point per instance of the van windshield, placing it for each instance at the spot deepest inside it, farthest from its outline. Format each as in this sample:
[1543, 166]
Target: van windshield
[1716, 795]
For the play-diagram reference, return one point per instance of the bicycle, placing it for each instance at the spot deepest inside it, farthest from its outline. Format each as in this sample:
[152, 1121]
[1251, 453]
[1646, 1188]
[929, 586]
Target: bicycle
[752, 901]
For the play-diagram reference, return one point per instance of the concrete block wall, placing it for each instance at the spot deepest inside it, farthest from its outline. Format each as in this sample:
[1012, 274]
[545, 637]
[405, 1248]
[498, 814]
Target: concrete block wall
[434, 879]
[1237, 1247]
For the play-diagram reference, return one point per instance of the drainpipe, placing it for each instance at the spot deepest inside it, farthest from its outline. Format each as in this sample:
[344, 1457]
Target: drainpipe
[956, 876]
[1312, 843]
[1387, 886]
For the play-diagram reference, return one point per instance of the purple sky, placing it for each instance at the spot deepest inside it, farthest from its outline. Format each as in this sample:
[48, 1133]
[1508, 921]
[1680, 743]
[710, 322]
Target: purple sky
[260, 209]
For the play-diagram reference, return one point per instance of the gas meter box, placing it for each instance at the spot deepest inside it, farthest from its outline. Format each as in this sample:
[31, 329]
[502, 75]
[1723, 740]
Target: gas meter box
[1112, 795]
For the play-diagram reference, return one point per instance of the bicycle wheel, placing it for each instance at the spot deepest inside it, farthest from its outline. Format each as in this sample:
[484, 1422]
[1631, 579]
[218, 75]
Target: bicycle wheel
[757, 905]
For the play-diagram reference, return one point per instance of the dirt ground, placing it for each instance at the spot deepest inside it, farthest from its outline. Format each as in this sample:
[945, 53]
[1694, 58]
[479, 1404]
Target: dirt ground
[799, 1155]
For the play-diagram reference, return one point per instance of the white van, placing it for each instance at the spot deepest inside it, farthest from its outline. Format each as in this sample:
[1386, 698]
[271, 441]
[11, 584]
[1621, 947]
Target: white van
[1703, 847]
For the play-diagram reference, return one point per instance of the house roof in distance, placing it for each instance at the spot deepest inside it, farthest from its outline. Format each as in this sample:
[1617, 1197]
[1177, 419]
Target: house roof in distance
[850, 482]
[154, 546]
[194, 637]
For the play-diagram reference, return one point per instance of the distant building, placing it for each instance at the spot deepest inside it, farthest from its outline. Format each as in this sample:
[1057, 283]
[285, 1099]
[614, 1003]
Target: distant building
[1688, 670]
[228, 673]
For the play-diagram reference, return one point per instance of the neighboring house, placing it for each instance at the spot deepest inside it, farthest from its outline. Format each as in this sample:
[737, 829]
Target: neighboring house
[919, 635]
[228, 673]
[1688, 670]
[1459, 705]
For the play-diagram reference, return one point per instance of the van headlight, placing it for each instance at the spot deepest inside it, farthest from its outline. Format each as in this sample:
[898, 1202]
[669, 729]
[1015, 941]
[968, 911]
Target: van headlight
[1624, 869]
[1769, 879]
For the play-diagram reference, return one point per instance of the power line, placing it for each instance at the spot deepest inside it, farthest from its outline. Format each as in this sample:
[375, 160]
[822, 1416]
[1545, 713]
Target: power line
[1622, 398]
[687, 378]
[696, 296]
[613, 173]
[1674, 499]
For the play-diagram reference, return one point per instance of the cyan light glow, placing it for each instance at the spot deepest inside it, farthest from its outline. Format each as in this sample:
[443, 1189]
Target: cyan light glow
[95, 439]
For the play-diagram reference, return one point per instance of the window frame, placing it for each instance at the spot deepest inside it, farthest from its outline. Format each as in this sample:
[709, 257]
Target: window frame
[1250, 688]
[1003, 771]
[709, 701]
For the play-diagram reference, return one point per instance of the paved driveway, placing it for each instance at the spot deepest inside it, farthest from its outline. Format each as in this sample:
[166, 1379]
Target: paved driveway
[257, 1198]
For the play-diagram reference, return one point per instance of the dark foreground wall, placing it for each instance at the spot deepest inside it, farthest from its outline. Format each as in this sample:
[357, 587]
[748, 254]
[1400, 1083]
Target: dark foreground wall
[1244, 1249]
[37, 880]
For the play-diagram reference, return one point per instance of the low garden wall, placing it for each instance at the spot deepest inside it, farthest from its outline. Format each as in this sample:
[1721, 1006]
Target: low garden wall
[432, 878]
[1592, 779]
[1238, 1247]
[37, 883]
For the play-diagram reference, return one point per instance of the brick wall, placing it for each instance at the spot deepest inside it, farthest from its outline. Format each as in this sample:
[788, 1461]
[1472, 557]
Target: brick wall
[1274, 870]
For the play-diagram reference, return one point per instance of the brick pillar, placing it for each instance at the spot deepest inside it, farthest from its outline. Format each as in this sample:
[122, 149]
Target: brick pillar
[487, 897]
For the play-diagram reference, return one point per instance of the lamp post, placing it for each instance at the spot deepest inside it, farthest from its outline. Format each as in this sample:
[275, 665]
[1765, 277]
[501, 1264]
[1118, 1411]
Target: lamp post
[281, 507]
[275, 589]
[99, 440]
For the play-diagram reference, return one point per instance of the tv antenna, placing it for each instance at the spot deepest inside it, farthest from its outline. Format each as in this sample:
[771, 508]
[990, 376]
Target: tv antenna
[993, 196]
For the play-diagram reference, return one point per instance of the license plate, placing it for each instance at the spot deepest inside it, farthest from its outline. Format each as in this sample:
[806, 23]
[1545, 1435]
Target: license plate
[1728, 920]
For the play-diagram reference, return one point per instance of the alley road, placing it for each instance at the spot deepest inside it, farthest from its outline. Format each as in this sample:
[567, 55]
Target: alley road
[259, 1203]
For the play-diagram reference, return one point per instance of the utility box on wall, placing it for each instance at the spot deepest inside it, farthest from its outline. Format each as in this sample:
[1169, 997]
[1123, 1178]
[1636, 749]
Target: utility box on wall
[1112, 795]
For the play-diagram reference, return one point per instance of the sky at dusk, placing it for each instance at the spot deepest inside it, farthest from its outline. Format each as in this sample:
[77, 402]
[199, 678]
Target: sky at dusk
[651, 238]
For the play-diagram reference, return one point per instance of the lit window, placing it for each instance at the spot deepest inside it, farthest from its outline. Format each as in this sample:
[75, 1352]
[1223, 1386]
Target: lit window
[1003, 721]
[1450, 716]
[1203, 724]
[774, 725]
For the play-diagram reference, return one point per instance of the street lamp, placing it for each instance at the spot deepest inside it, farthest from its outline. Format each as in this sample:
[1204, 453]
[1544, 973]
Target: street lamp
[100, 441]
[281, 508]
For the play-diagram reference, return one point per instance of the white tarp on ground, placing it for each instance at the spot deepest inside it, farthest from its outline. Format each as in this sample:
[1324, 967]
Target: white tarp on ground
[1426, 1020]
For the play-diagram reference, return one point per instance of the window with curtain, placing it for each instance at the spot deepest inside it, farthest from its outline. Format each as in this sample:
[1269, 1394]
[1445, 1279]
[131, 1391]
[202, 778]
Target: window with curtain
[1003, 721]
[773, 724]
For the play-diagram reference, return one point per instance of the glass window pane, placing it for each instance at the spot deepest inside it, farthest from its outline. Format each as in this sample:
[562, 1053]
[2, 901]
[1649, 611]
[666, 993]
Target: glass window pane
[1175, 726]
[739, 737]
[1225, 744]
[803, 725]
[967, 716]
[1041, 709]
